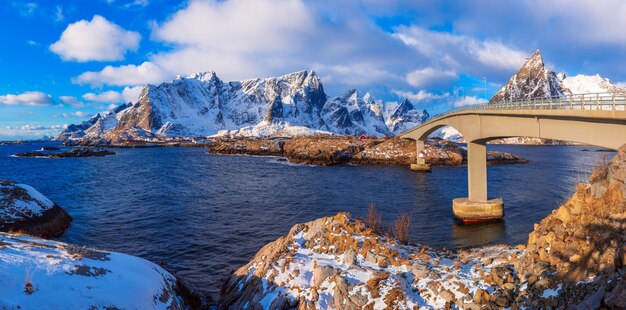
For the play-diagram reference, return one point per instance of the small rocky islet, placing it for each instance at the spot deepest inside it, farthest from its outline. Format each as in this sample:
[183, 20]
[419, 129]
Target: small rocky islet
[575, 258]
[72, 153]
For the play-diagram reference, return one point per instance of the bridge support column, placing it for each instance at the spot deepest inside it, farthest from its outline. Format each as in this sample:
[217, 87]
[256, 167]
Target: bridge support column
[477, 207]
[477, 171]
[420, 165]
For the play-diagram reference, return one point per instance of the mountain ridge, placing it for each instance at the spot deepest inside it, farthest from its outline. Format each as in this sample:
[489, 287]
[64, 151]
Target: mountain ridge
[203, 105]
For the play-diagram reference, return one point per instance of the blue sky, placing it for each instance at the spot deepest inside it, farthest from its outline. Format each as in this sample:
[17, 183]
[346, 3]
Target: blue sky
[63, 61]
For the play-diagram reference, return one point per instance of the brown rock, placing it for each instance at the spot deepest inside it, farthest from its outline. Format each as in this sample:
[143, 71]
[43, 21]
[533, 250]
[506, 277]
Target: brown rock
[481, 296]
[616, 299]
[447, 295]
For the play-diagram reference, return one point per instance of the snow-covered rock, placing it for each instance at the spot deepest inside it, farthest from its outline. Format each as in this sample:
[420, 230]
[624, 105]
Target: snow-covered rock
[586, 84]
[203, 105]
[44, 274]
[97, 123]
[448, 133]
[338, 263]
[23, 209]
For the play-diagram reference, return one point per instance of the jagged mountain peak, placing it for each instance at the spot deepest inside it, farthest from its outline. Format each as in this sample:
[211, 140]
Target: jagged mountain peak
[534, 61]
[203, 105]
[206, 76]
[533, 80]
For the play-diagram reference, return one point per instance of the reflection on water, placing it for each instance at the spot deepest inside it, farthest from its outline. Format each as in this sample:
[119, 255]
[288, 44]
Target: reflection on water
[471, 235]
[206, 215]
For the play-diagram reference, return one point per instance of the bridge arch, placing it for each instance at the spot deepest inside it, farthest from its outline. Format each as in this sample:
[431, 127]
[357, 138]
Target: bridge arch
[601, 122]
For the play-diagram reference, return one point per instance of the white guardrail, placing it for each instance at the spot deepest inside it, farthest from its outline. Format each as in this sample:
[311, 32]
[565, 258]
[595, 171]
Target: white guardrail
[591, 101]
[594, 101]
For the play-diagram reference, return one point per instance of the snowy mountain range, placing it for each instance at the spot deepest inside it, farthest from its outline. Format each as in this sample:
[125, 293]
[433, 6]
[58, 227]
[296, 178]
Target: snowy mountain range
[202, 105]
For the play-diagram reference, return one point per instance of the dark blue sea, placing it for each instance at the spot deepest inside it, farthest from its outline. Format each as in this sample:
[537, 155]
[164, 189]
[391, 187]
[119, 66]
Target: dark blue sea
[206, 215]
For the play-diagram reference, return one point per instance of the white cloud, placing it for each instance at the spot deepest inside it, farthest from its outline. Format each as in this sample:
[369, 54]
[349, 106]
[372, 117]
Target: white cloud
[29, 98]
[468, 101]
[78, 114]
[25, 8]
[356, 74]
[29, 131]
[137, 3]
[72, 101]
[462, 53]
[98, 40]
[427, 77]
[58, 16]
[131, 94]
[145, 73]
[109, 96]
[239, 25]
[242, 39]
[422, 95]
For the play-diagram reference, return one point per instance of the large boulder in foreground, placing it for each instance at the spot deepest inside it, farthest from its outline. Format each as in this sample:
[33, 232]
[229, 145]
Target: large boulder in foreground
[338, 263]
[45, 274]
[25, 210]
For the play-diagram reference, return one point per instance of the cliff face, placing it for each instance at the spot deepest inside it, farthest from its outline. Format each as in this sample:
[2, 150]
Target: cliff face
[584, 240]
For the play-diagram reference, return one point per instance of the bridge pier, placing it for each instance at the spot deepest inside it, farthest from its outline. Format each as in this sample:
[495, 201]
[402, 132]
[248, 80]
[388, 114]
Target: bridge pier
[477, 171]
[420, 165]
[477, 206]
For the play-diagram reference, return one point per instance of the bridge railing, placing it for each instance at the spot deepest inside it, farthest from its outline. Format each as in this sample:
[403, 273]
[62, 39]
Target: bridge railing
[592, 101]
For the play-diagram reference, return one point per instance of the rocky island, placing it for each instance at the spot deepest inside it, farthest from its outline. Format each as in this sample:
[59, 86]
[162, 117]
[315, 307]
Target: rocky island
[75, 152]
[336, 150]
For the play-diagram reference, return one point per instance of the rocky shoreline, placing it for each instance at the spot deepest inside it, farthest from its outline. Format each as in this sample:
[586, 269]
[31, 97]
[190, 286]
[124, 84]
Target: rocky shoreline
[36, 272]
[331, 151]
[575, 258]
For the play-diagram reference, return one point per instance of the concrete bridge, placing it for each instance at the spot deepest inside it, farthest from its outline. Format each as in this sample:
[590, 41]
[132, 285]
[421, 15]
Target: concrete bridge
[594, 119]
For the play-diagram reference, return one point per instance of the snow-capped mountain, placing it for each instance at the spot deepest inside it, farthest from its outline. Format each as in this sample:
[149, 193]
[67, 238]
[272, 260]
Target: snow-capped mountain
[534, 80]
[587, 84]
[203, 105]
